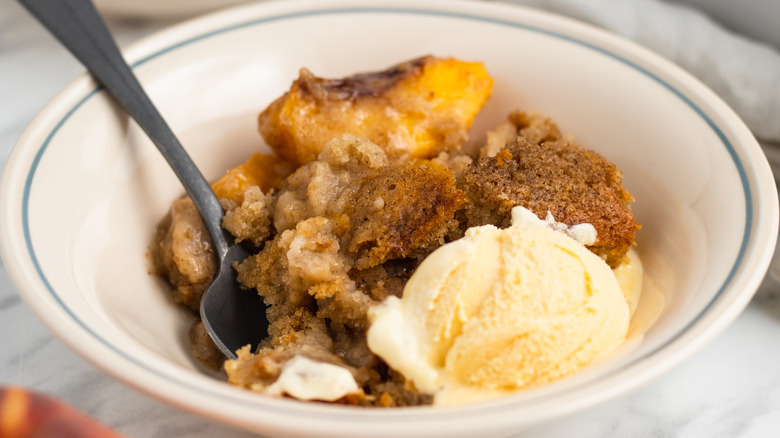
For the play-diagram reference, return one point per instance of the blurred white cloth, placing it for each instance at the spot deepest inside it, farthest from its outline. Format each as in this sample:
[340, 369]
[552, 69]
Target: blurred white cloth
[743, 72]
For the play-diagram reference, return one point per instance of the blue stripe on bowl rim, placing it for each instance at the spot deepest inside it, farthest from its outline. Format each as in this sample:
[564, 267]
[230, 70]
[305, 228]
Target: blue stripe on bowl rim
[389, 10]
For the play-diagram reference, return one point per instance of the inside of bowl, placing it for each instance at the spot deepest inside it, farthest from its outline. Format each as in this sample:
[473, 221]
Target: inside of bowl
[689, 196]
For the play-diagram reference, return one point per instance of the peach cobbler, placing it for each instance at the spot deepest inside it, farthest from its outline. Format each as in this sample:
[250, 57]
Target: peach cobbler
[375, 214]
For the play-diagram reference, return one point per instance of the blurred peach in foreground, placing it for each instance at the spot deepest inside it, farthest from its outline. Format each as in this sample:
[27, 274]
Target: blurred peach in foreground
[26, 414]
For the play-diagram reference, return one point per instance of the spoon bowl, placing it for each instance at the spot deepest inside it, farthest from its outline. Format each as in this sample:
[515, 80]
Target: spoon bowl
[237, 321]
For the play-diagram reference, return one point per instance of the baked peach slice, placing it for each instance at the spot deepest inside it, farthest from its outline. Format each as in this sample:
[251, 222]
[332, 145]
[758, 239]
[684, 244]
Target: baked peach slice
[418, 108]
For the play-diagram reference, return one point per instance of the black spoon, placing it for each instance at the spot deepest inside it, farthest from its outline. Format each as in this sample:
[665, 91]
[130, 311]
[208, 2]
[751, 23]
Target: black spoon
[232, 317]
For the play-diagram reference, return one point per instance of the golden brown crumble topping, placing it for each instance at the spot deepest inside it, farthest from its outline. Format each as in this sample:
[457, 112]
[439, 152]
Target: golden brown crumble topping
[575, 184]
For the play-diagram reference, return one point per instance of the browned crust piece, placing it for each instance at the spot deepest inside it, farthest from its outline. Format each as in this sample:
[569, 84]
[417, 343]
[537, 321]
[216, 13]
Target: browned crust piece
[381, 281]
[182, 254]
[535, 127]
[402, 212]
[575, 184]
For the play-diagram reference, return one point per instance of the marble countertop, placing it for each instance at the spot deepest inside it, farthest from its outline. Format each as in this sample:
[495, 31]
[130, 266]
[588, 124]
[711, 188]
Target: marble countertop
[731, 388]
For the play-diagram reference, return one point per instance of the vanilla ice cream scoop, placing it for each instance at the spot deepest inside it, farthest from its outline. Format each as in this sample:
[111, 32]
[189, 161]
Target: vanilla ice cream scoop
[501, 310]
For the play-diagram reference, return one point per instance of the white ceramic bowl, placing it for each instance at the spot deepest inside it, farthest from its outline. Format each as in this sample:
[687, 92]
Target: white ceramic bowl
[84, 188]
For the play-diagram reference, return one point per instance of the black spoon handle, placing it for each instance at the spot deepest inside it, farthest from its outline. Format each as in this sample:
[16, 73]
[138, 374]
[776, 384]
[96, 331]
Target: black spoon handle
[78, 26]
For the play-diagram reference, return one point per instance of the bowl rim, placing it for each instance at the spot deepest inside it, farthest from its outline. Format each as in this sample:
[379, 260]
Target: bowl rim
[733, 295]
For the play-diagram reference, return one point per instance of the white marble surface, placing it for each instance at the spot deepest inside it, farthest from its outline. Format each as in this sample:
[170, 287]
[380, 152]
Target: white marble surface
[729, 389]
